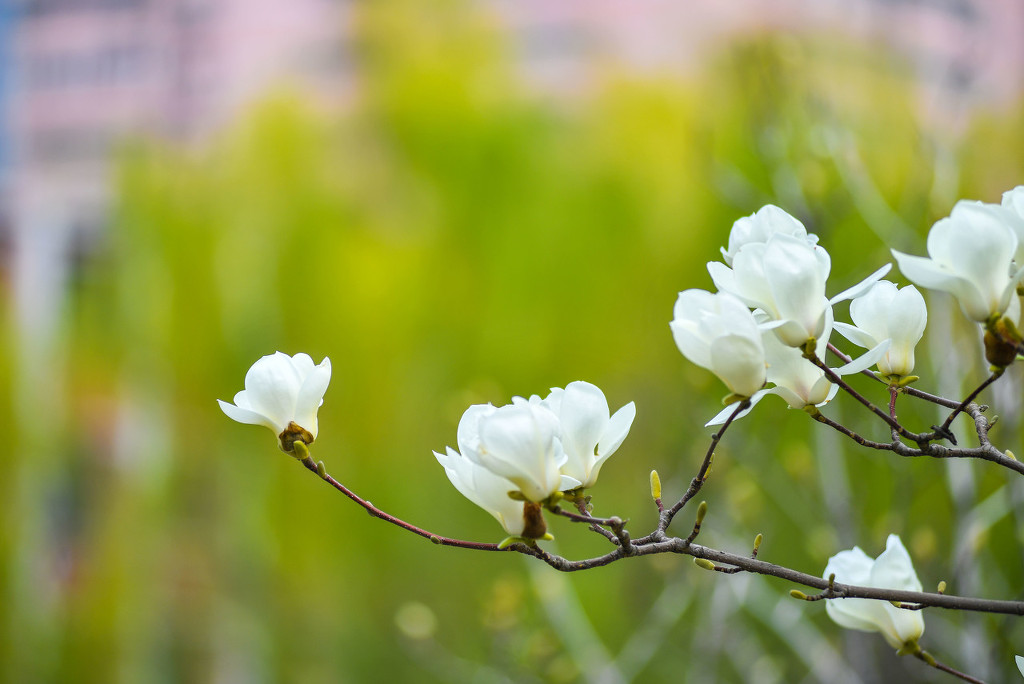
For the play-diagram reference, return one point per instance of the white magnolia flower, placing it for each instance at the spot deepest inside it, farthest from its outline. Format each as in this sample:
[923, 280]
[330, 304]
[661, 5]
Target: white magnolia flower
[891, 570]
[485, 489]
[718, 332]
[970, 254]
[588, 435]
[282, 393]
[763, 223]
[519, 442]
[1020, 663]
[885, 312]
[784, 277]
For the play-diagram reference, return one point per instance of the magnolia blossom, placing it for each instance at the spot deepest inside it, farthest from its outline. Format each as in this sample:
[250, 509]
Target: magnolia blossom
[588, 435]
[1020, 663]
[485, 489]
[757, 227]
[519, 442]
[784, 277]
[970, 254]
[282, 393]
[885, 312]
[718, 332]
[891, 570]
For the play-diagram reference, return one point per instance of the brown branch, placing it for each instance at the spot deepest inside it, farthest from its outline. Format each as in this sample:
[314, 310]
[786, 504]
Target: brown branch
[307, 461]
[665, 519]
[996, 374]
[928, 659]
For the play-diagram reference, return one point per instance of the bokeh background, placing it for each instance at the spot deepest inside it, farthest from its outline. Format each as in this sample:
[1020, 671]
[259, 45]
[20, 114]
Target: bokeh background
[459, 201]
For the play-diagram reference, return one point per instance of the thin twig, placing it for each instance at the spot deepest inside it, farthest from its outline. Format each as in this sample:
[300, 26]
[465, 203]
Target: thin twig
[996, 374]
[836, 379]
[698, 481]
[378, 513]
[927, 658]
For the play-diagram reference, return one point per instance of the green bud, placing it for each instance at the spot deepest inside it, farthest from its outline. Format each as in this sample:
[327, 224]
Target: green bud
[898, 604]
[704, 563]
[655, 485]
[702, 510]
[1009, 455]
[434, 539]
[942, 587]
[516, 495]
[797, 594]
[299, 450]
[906, 380]
[757, 541]
[321, 470]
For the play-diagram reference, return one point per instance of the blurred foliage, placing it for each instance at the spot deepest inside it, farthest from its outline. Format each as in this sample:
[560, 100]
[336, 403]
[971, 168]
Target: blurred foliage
[455, 237]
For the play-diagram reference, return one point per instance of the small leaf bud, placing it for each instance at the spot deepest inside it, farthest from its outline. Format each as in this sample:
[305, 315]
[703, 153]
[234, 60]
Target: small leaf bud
[797, 594]
[1009, 455]
[942, 587]
[757, 541]
[321, 470]
[702, 510]
[704, 563]
[655, 485]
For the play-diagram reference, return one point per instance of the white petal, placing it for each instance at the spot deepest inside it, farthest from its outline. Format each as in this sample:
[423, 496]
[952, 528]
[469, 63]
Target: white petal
[929, 274]
[865, 360]
[311, 395]
[724, 414]
[856, 335]
[272, 386]
[739, 362]
[583, 417]
[247, 416]
[861, 287]
[614, 434]
[616, 430]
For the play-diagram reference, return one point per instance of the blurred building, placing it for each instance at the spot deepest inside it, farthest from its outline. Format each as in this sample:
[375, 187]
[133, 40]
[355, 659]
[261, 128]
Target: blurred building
[81, 76]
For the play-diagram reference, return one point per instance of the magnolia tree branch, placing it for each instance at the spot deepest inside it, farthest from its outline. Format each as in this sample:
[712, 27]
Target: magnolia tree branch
[925, 441]
[659, 542]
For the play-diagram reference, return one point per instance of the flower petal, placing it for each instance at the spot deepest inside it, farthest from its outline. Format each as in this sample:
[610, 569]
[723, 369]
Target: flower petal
[856, 335]
[861, 287]
[311, 394]
[245, 415]
[865, 360]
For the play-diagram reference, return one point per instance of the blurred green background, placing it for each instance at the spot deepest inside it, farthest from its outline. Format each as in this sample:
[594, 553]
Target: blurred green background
[456, 238]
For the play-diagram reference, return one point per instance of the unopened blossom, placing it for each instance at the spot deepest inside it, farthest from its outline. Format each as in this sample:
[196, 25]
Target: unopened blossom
[893, 569]
[282, 393]
[519, 442]
[588, 434]
[784, 277]
[760, 225]
[718, 332]
[485, 489]
[886, 312]
[969, 255]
